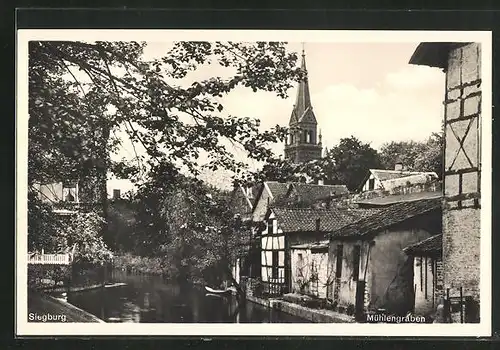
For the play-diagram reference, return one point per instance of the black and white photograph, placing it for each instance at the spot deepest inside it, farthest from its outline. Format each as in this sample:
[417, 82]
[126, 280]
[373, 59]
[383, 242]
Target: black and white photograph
[228, 182]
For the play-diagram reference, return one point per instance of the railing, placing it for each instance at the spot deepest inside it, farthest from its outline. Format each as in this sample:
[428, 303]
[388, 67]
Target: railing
[460, 308]
[273, 287]
[49, 259]
[75, 206]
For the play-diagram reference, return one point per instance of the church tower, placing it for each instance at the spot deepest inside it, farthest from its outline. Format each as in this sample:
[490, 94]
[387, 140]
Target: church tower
[303, 143]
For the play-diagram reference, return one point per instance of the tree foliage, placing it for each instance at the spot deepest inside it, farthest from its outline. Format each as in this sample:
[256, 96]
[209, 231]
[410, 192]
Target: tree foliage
[349, 162]
[85, 232]
[57, 233]
[346, 163]
[415, 156]
[74, 84]
[83, 95]
[190, 226]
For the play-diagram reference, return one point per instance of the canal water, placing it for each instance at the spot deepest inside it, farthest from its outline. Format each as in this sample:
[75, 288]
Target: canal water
[149, 299]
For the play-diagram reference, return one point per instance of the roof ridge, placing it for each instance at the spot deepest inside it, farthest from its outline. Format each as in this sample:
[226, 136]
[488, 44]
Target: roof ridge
[318, 185]
[425, 240]
[389, 209]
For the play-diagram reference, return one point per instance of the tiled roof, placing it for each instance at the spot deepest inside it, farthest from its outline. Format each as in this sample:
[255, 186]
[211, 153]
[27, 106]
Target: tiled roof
[312, 192]
[321, 244]
[387, 217]
[383, 175]
[278, 189]
[301, 219]
[392, 199]
[431, 245]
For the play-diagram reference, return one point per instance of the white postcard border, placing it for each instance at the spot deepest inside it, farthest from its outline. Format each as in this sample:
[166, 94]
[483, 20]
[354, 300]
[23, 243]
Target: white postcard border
[25, 328]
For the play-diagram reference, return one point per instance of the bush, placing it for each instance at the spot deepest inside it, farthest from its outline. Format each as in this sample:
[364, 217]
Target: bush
[140, 264]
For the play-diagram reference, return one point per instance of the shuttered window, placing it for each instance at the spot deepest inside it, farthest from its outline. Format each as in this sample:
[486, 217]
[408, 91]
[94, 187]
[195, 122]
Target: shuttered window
[340, 253]
[356, 256]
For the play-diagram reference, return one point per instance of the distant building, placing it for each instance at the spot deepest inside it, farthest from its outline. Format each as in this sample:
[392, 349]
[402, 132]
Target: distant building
[313, 195]
[462, 168]
[402, 194]
[380, 179]
[269, 192]
[303, 143]
[243, 199]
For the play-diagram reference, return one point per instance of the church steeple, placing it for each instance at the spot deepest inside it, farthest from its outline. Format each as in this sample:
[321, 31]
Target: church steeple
[302, 104]
[302, 144]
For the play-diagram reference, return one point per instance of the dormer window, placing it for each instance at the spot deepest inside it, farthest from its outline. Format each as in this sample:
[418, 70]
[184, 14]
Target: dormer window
[371, 184]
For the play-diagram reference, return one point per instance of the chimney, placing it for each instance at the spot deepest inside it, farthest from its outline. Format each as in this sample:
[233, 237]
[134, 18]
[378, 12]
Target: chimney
[318, 224]
[116, 194]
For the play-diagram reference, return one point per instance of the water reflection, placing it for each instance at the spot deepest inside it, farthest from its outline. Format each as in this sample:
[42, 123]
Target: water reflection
[148, 299]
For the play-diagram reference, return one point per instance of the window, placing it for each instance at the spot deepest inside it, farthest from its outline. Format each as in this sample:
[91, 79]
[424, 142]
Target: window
[356, 256]
[69, 194]
[275, 264]
[340, 253]
[270, 224]
[308, 136]
[371, 184]
[300, 264]
[421, 274]
[425, 279]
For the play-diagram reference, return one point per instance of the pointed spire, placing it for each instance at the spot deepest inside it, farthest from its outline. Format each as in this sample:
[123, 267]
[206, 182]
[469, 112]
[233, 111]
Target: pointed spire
[303, 100]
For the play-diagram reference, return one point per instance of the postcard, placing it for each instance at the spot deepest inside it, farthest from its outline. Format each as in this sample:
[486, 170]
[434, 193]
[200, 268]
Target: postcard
[229, 182]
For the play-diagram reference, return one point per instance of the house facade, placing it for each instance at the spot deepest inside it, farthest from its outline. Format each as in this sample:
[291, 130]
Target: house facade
[462, 167]
[369, 268]
[427, 274]
[387, 180]
[269, 192]
[248, 257]
[309, 272]
[292, 227]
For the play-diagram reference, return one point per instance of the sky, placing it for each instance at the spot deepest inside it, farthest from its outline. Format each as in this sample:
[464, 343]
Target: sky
[367, 90]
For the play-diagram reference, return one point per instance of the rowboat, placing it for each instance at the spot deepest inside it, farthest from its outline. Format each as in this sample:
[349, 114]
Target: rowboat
[218, 291]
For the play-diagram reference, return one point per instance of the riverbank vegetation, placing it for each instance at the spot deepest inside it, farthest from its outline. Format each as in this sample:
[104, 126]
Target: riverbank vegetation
[140, 264]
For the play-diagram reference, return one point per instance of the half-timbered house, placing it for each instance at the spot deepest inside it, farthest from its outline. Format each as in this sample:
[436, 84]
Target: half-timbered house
[462, 165]
[287, 227]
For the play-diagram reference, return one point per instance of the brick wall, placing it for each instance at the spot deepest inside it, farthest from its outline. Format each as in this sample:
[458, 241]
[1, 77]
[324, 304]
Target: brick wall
[439, 293]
